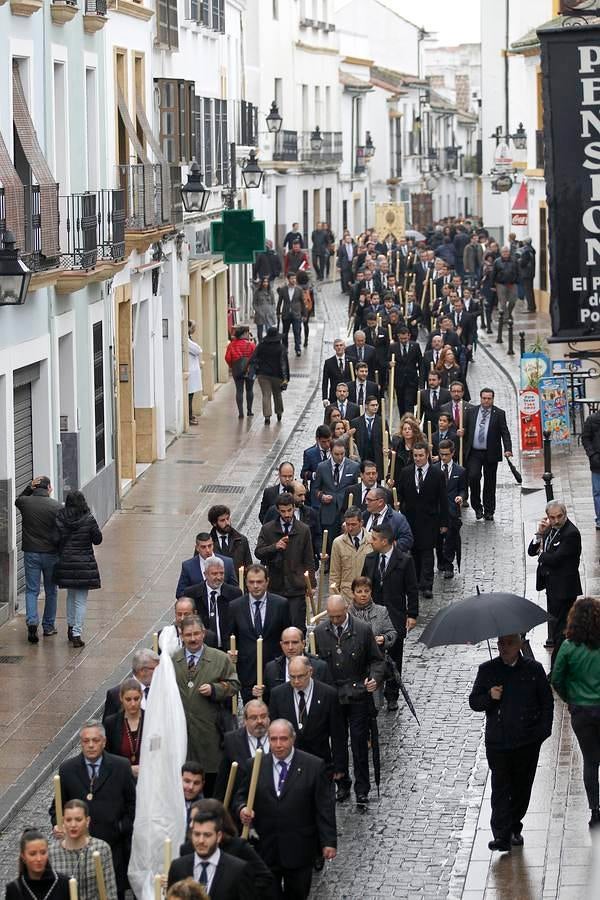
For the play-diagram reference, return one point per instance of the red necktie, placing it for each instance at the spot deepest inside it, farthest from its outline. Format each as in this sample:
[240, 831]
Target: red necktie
[456, 416]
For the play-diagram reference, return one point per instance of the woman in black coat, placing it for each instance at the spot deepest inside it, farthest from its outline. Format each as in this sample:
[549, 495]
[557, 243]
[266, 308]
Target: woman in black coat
[270, 360]
[124, 729]
[37, 879]
[76, 570]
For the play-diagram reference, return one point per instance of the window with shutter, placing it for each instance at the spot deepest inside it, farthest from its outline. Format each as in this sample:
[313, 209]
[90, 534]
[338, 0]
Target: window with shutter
[166, 24]
[208, 143]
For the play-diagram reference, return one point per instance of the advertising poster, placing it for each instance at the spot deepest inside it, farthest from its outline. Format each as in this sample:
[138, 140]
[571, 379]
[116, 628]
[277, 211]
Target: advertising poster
[530, 420]
[533, 367]
[554, 405]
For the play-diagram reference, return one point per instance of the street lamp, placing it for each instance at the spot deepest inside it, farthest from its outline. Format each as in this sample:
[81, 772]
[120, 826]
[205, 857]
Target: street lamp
[369, 146]
[274, 119]
[194, 194]
[14, 274]
[252, 174]
[316, 140]
[520, 138]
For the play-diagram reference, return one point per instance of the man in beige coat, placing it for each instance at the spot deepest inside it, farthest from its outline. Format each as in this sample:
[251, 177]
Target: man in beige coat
[348, 553]
[206, 679]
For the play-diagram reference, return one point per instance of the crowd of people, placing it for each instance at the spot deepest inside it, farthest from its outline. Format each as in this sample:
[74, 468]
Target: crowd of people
[307, 627]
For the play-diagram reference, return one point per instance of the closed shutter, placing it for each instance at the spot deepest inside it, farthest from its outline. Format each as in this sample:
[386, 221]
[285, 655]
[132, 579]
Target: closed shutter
[23, 434]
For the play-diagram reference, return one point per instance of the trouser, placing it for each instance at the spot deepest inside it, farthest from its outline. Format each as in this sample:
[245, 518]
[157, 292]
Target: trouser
[239, 394]
[292, 884]
[297, 608]
[38, 565]
[406, 397]
[585, 721]
[270, 386]
[76, 605]
[423, 557]
[346, 279]
[596, 495]
[296, 329]
[476, 464]
[513, 772]
[306, 328]
[356, 721]
[447, 546]
[527, 285]
[507, 297]
[326, 263]
[261, 330]
[319, 261]
[559, 609]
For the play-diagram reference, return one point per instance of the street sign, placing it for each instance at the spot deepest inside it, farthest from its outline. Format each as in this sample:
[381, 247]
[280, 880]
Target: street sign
[502, 183]
[503, 161]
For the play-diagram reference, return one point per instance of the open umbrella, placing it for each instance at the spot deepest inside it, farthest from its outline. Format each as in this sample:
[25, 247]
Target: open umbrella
[414, 235]
[481, 617]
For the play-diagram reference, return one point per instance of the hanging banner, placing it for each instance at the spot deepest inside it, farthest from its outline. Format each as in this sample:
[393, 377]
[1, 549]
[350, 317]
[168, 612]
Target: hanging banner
[554, 406]
[533, 367]
[530, 420]
[571, 73]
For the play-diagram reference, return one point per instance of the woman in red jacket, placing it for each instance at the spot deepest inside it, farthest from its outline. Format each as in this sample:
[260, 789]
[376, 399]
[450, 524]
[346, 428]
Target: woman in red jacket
[237, 356]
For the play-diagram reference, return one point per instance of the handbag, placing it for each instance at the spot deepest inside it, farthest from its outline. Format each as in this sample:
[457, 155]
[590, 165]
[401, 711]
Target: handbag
[240, 366]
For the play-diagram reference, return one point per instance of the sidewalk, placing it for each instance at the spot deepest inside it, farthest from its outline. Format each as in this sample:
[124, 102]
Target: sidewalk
[50, 688]
[554, 863]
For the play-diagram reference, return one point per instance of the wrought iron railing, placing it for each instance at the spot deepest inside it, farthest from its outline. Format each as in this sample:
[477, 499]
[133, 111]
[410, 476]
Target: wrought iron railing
[286, 146]
[78, 231]
[95, 7]
[359, 160]
[111, 224]
[331, 148]
[32, 251]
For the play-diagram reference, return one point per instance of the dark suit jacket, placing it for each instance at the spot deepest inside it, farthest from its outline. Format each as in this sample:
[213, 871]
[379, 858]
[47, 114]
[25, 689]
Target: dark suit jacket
[322, 733]
[200, 593]
[351, 410]
[467, 325]
[324, 484]
[399, 592]
[113, 726]
[191, 573]
[311, 461]
[498, 434]
[426, 512]
[270, 495]
[242, 626]
[286, 567]
[332, 377]
[301, 821]
[275, 673]
[356, 492]
[558, 565]
[408, 367]
[414, 317]
[238, 551]
[429, 414]
[112, 809]
[398, 523]
[369, 356]
[436, 437]
[371, 390]
[372, 449]
[456, 487]
[235, 749]
[232, 879]
[14, 889]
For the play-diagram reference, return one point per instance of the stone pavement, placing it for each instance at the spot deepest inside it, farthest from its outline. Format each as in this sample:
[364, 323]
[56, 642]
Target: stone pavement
[426, 834]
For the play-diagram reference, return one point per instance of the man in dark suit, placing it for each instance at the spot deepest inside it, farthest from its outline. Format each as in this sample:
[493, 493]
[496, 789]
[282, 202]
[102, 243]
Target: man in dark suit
[486, 432]
[394, 584]
[414, 316]
[335, 370]
[345, 257]
[455, 478]
[379, 512]
[107, 785]
[212, 599]
[445, 432]
[457, 407]
[294, 813]
[242, 743]
[259, 613]
[368, 435]
[557, 545]
[331, 481]
[424, 502]
[313, 709]
[360, 351]
[290, 309]
[311, 460]
[277, 671]
[223, 876]
[431, 357]
[362, 387]
[432, 398]
[408, 358]
[285, 547]
[465, 325]
[192, 570]
[348, 410]
[286, 474]
[226, 539]
[377, 337]
[356, 494]
[143, 664]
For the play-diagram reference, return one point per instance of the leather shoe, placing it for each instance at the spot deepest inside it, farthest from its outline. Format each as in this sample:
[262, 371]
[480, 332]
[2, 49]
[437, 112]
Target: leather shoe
[267, 420]
[362, 801]
[489, 517]
[502, 846]
[449, 573]
[342, 794]
[517, 840]
[428, 594]
[479, 514]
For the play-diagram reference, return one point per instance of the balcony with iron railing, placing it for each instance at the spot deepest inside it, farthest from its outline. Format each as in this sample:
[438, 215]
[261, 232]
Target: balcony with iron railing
[62, 11]
[246, 123]
[92, 228]
[331, 152]
[94, 16]
[152, 202]
[286, 146]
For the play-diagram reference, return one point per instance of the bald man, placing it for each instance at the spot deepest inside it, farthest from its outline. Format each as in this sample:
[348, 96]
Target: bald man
[277, 671]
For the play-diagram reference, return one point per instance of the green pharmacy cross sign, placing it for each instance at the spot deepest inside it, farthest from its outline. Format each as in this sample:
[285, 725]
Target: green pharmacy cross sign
[238, 237]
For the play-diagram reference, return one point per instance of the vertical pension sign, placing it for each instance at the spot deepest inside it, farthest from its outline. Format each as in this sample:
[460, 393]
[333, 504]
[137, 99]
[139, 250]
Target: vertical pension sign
[571, 97]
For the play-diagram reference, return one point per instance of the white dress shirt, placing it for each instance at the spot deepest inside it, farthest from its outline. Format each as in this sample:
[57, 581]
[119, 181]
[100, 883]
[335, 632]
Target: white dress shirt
[213, 862]
[307, 700]
[425, 470]
[277, 770]
[253, 744]
[262, 609]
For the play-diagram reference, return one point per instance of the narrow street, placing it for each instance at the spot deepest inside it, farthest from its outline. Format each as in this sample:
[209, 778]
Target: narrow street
[421, 837]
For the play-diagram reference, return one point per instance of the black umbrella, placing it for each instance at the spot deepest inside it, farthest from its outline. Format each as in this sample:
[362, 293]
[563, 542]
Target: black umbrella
[481, 617]
[409, 702]
[514, 470]
[374, 739]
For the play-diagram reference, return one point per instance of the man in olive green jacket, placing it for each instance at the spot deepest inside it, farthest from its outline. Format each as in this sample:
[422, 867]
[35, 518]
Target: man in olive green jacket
[207, 680]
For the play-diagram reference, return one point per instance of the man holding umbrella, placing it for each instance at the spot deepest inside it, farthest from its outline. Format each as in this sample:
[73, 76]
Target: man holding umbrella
[517, 700]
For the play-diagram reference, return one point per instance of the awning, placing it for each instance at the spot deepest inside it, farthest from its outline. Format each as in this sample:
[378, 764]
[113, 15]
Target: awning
[14, 205]
[141, 154]
[49, 241]
[154, 143]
